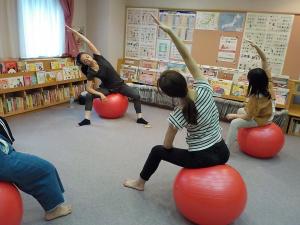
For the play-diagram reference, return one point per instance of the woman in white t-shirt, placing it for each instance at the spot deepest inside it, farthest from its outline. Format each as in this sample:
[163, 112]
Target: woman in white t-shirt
[197, 112]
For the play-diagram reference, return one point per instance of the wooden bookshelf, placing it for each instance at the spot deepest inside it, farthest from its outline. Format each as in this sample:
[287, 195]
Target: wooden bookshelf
[294, 108]
[24, 99]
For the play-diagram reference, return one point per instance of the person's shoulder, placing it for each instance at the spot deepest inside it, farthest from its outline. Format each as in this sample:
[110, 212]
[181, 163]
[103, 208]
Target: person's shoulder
[201, 83]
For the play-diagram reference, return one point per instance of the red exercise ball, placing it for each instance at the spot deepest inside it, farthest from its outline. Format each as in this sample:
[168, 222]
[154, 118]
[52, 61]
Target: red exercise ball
[210, 196]
[11, 206]
[115, 106]
[261, 142]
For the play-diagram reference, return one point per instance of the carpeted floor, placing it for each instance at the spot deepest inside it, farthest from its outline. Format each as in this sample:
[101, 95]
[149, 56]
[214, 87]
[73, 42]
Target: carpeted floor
[93, 161]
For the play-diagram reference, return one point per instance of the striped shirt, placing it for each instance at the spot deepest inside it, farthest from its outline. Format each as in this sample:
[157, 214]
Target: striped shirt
[207, 132]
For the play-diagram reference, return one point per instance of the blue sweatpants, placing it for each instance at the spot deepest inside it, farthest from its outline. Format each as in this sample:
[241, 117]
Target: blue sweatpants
[34, 176]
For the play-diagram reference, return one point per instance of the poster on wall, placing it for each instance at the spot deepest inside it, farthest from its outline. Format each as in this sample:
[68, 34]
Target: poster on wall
[207, 20]
[182, 23]
[175, 55]
[227, 49]
[271, 32]
[231, 21]
[163, 49]
[141, 33]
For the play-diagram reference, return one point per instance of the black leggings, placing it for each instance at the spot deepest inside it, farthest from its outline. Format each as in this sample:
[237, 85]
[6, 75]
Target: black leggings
[215, 155]
[123, 89]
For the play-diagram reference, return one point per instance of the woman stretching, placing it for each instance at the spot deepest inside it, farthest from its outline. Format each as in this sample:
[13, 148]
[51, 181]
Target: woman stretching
[32, 175]
[98, 70]
[197, 113]
[260, 108]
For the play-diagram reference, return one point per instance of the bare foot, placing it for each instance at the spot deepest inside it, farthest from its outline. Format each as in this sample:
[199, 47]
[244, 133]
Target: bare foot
[60, 211]
[134, 184]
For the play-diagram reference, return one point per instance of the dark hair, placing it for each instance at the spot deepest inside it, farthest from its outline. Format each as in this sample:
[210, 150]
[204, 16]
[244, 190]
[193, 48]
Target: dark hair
[83, 67]
[258, 83]
[173, 84]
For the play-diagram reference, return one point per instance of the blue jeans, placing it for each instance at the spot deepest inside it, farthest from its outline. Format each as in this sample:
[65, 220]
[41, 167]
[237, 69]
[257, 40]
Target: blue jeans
[34, 176]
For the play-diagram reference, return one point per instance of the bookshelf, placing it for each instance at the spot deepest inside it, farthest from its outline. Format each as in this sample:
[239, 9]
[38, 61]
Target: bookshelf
[294, 108]
[132, 68]
[55, 82]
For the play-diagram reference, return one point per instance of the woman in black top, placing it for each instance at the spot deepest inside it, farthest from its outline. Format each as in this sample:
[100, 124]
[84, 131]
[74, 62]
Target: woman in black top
[99, 71]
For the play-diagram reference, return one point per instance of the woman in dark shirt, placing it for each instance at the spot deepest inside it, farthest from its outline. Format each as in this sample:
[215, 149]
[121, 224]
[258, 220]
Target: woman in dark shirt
[98, 70]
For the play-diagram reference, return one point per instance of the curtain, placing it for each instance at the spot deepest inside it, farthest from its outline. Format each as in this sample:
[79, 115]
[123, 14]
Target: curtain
[70, 44]
[9, 44]
[41, 28]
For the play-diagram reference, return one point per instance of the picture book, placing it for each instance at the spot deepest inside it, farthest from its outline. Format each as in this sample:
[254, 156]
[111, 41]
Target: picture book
[177, 66]
[50, 77]
[129, 73]
[239, 89]
[209, 72]
[280, 81]
[221, 87]
[149, 64]
[147, 76]
[27, 80]
[14, 82]
[33, 79]
[3, 83]
[55, 65]
[281, 95]
[58, 75]
[10, 66]
[40, 75]
[21, 66]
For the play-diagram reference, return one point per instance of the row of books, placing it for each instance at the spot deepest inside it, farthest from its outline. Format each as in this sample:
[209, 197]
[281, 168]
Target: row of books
[39, 98]
[12, 66]
[41, 77]
[224, 81]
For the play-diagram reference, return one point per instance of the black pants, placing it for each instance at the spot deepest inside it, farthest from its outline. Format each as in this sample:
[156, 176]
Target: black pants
[215, 155]
[123, 89]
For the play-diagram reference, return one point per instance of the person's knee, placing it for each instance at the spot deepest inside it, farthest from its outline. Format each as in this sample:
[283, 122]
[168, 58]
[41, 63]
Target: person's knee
[156, 150]
[88, 96]
[136, 95]
[236, 123]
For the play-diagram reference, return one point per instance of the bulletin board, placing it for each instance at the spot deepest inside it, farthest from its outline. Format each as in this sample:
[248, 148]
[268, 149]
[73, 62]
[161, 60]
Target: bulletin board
[206, 42]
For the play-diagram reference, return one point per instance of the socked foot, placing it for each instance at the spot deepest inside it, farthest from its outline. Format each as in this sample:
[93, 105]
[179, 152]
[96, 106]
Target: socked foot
[134, 184]
[84, 122]
[144, 122]
[59, 211]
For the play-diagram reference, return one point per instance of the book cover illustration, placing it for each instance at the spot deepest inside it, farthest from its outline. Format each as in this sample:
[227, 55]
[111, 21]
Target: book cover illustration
[27, 80]
[147, 76]
[21, 66]
[4, 83]
[221, 87]
[239, 89]
[10, 66]
[40, 76]
[50, 77]
[34, 79]
[15, 82]
[129, 73]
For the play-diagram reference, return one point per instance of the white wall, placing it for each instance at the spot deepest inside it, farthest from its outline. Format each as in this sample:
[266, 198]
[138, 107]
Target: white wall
[105, 27]
[80, 14]
[287, 6]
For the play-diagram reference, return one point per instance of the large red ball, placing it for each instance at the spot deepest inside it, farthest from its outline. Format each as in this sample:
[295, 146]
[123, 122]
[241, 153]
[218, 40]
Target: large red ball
[210, 196]
[11, 206]
[115, 106]
[261, 142]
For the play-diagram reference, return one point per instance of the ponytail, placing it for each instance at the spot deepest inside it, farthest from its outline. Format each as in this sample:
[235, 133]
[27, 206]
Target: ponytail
[189, 110]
